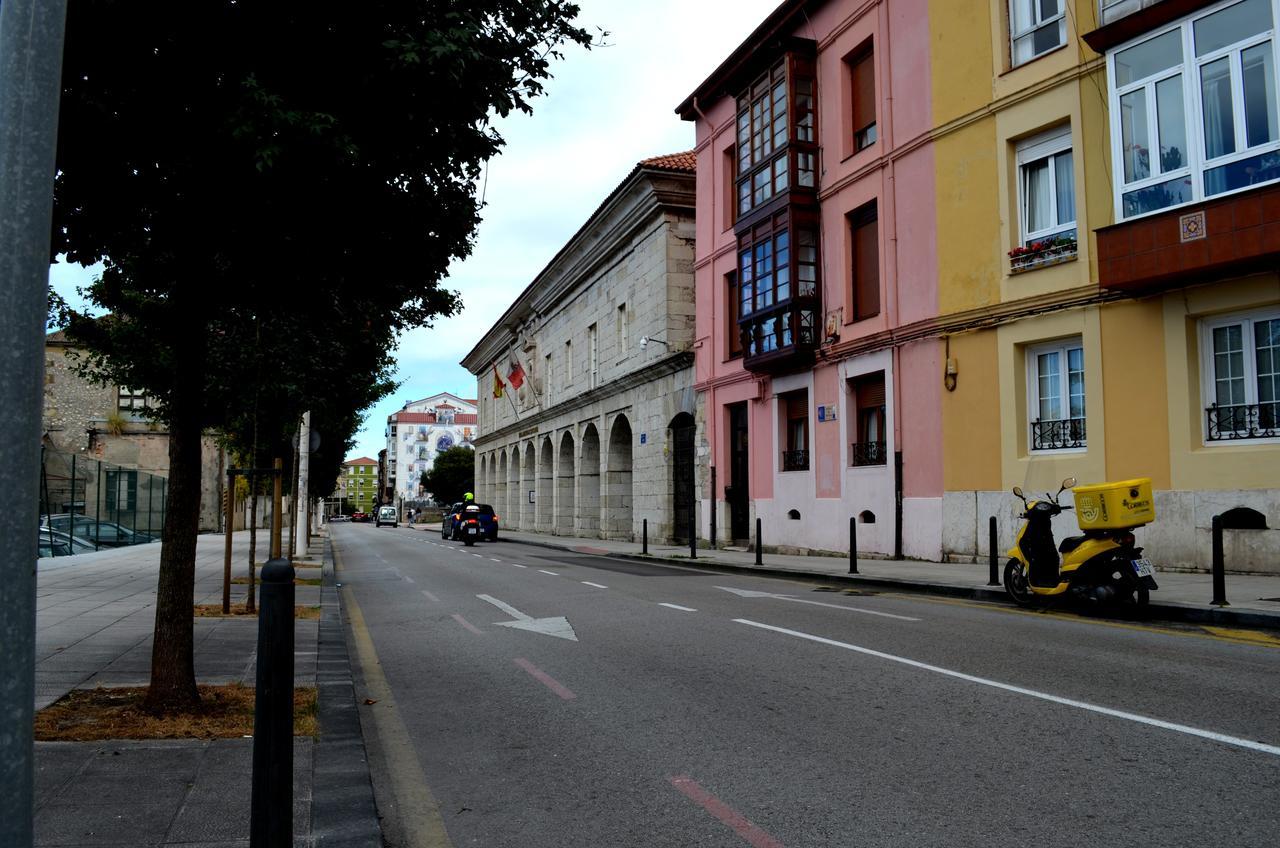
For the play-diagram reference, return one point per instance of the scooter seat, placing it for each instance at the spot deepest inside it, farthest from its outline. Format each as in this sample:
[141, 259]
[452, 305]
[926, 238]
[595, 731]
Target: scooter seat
[1070, 543]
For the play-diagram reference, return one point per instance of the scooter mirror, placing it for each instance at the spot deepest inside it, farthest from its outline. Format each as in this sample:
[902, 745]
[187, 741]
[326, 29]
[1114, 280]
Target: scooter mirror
[1017, 490]
[1069, 483]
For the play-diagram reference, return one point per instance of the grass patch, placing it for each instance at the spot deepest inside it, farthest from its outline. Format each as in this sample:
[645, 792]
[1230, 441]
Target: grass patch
[225, 712]
[297, 581]
[238, 610]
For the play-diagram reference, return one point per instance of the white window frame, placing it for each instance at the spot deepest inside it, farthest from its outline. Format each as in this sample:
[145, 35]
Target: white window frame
[1197, 163]
[1033, 354]
[1036, 23]
[1208, 376]
[1046, 145]
[593, 354]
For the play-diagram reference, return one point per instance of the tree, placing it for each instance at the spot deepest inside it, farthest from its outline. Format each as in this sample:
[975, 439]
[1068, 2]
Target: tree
[276, 190]
[451, 474]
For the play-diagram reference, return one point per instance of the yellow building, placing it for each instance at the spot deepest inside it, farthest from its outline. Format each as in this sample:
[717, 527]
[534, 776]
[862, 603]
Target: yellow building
[1108, 225]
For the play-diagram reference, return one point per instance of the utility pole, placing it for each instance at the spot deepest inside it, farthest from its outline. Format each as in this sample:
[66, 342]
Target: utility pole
[302, 502]
[31, 37]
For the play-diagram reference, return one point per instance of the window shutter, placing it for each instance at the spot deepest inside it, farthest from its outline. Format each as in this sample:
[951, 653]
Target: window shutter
[866, 265]
[864, 92]
[870, 393]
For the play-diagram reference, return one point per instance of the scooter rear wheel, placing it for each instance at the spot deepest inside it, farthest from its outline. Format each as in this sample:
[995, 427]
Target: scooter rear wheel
[1016, 584]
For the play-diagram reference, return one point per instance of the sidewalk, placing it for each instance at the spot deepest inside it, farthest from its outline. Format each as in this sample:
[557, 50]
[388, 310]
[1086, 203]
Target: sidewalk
[94, 620]
[1254, 600]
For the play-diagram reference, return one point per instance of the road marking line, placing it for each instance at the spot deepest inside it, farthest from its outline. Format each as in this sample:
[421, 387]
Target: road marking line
[478, 556]
[494, 559]
[754, 836]
[678, 607]
[430, 596]
[552, 573]
[517, 565]
[545, 679]
[419, 814]
[505, 607]
[597, 585]
[410, 579]
[458, 618]
[749, 593]
[1044, 696]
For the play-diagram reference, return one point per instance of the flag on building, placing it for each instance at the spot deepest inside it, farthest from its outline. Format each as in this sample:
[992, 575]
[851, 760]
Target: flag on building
[497, 382]
[515, 378]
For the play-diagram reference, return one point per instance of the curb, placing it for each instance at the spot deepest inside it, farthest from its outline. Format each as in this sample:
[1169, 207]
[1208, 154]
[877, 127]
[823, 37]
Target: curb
[1172, 612]
[343, 812]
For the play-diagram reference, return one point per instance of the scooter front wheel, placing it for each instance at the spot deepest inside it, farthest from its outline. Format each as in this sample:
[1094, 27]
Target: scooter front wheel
[1015, 583]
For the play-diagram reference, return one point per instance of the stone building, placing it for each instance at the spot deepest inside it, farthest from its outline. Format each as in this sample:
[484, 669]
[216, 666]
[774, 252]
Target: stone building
[107, 423]
[419, 431]
[587, 408]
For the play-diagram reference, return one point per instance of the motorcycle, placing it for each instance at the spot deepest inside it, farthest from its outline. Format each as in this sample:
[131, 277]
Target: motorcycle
[1100, 567]
[470, 530]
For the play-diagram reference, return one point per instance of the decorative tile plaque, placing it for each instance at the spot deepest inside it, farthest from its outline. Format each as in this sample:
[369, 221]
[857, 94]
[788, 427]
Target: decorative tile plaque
[1191, 227]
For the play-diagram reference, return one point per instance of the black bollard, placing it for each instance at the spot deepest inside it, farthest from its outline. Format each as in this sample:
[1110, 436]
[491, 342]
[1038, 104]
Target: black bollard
[993, 577]
[693, 535]
[644, 536]
[271, 817]
[1219, 566]
[853, 545]
[759, 558]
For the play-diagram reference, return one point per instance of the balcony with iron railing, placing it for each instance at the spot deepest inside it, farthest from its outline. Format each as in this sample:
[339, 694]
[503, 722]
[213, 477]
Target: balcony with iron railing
[1243, 421]
[868, 453]
[1060, 434]
[795, 460]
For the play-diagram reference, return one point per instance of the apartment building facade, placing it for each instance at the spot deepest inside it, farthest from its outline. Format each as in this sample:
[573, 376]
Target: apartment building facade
[587, 409]
[360, 487]
[417, 433]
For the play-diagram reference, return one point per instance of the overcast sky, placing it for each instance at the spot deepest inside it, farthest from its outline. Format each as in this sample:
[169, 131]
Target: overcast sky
[605, 110]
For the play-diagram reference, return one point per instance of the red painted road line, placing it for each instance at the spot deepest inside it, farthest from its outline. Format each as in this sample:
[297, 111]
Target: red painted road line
[467, 625]
[754, 836]
[545, 679]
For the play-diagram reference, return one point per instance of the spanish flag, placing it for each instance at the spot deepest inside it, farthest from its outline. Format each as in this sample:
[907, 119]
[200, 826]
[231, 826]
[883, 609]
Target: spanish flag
[497, 382]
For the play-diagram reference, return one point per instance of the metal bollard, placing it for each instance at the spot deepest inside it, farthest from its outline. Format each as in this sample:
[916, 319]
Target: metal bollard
[644, 536]
[271, 815]
[693, 535]
[853, 544]
[1219, 566]
[993, 577]
[759, 557]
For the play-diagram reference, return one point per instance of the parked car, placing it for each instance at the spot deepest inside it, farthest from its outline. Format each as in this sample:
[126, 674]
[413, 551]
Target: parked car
[387, 515]
[56, 543]
[359, 516]
[334, 518]
[104, 534]
[453, 517]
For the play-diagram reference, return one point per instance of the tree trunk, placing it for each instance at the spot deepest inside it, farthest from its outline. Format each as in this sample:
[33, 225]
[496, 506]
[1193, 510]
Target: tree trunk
[173, 676]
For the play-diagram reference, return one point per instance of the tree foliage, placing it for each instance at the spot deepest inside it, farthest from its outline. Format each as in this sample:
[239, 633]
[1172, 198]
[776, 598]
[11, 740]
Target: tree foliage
[451, 474]
[275, 190]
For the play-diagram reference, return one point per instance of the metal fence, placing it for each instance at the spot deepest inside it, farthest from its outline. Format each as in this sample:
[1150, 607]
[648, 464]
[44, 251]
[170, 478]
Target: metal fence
[87, 504]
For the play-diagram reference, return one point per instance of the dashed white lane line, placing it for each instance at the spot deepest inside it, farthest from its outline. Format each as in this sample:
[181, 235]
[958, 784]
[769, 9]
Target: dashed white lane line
[678, 607]
[552, 573]
[409, 579]
[597, 585]
[430, 596]
[517, 565]
[494, 559]
[1044, 696]
[478, 556]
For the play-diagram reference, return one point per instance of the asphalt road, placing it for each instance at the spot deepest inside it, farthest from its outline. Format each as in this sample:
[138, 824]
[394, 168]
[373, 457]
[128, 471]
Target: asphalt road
[675, 708]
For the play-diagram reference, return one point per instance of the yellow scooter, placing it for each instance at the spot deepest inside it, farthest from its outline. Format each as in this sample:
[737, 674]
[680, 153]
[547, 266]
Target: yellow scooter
[1102, 566]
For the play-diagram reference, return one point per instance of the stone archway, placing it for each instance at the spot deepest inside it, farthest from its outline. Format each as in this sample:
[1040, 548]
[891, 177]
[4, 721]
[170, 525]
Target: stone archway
[617, 499]
[478, 484]
[682, 493]
[564, 486]
[589, 483]
[546, 496]
[528, 518]
[512, 505]
[500, 489]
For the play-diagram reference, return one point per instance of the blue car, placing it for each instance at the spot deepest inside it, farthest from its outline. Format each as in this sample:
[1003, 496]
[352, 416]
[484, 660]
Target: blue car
[469, 523]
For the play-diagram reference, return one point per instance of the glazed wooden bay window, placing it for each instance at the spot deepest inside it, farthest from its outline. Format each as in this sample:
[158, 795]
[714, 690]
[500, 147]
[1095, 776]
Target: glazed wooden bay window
[778, 300]
[776, 134]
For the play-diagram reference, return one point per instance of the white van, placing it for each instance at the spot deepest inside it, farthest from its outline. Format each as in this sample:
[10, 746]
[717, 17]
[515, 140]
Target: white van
[386, 515]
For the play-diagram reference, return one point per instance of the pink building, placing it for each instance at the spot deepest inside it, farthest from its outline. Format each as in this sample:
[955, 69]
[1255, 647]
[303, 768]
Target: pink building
[815, 243]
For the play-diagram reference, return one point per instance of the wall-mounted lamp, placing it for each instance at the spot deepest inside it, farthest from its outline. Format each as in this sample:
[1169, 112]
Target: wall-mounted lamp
[949, 376]
[644, 342]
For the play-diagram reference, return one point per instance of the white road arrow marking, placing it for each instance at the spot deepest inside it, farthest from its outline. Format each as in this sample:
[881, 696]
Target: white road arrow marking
[557, 626]
[748, 593]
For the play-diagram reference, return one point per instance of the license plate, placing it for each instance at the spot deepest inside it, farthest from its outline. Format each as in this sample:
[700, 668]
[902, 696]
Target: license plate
[472, 531]
[1144, 568]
